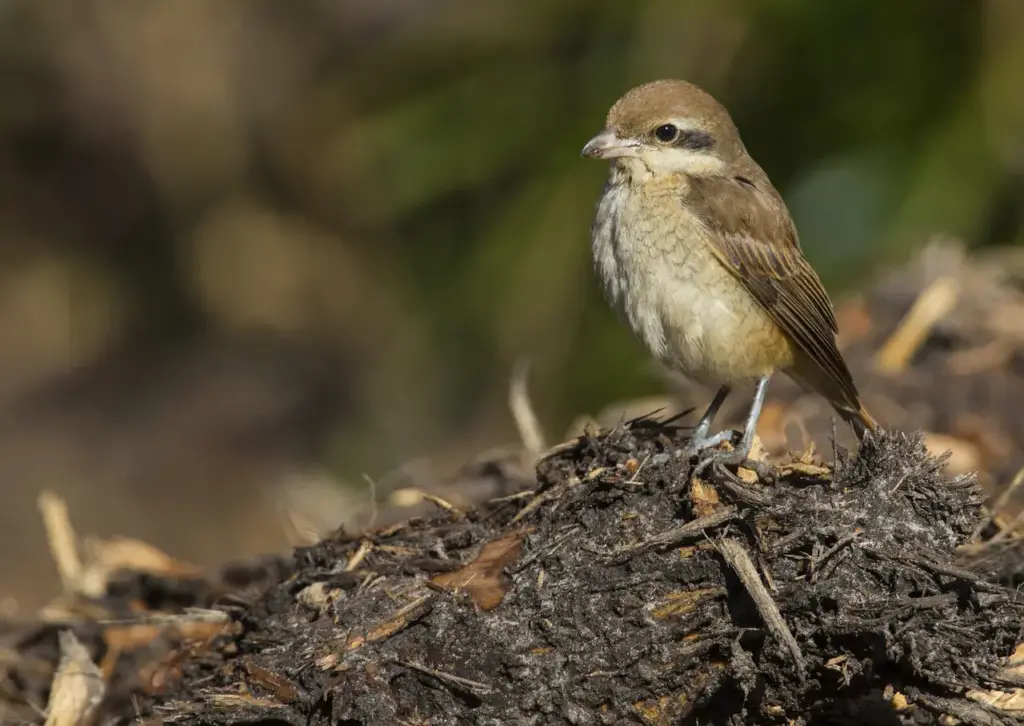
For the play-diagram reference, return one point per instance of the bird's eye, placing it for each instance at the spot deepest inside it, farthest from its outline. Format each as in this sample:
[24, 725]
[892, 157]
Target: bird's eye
[666, 133]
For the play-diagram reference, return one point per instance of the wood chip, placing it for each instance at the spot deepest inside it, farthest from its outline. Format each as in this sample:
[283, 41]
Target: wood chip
[78, 687]
[703, 498]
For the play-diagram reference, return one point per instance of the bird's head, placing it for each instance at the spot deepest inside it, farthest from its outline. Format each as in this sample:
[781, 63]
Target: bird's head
[668, 127]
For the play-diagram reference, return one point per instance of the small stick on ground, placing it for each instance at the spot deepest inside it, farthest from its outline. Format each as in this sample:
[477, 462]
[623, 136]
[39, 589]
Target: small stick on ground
[999, 504]
[522, 411]
[62, 540]
[472, 686]
[933, 304]
[512, 497]
[374, 511]
[549, 550]
[533, 504]
[359, 555]
[740, 490]
[736, 556]
[443, 504]
[1010, 528]
[189, 615]
[678, 535]
[818, 563]
[974, 578]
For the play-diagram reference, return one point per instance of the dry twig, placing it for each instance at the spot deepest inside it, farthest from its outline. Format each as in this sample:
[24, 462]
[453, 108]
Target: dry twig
[736, 556]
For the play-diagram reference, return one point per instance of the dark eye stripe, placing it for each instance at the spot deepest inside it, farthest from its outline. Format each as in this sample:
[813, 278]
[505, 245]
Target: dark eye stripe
[695, 140]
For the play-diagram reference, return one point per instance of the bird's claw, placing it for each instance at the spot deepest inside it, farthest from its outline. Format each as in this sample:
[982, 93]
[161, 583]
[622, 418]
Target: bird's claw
[719, 458]
[699, 444]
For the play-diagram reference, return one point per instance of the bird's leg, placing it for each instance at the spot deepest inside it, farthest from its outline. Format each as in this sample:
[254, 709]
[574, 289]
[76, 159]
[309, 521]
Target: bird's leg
[755, 413]
[699, 439]
[739, 454]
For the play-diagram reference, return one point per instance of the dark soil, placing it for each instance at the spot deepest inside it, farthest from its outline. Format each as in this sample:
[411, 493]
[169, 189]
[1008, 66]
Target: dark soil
[622, 589]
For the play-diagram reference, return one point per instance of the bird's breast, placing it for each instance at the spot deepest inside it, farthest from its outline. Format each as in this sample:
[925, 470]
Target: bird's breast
[655, 263]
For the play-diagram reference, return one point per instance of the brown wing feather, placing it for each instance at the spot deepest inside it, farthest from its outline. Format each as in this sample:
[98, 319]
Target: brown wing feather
[755, 238]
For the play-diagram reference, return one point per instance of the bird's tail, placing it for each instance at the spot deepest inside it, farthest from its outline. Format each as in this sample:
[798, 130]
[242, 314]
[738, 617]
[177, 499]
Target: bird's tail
[842, 394]
[858, 418]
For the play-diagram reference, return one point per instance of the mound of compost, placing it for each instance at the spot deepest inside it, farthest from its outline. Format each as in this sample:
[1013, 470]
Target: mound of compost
[626, 587]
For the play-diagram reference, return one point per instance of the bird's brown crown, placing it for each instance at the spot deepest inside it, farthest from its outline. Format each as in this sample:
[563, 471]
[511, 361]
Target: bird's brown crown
[644, 107]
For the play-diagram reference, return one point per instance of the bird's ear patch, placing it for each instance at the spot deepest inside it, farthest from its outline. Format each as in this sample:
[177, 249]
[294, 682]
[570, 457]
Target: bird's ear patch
[695, 140]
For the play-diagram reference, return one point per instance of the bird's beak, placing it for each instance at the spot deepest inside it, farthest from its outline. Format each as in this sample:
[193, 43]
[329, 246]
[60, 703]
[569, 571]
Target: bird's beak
[606, 145]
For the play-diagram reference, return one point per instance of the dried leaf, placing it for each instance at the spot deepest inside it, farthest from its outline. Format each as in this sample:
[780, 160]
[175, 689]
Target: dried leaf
[484, 578]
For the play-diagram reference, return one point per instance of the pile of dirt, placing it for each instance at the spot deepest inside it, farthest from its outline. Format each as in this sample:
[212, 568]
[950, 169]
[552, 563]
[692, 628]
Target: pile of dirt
[625, 587]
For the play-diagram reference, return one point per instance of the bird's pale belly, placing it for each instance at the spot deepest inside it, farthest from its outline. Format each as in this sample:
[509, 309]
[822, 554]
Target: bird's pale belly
[679, 299]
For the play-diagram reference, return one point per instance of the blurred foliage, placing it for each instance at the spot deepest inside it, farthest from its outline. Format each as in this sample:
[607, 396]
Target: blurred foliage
[393, 188]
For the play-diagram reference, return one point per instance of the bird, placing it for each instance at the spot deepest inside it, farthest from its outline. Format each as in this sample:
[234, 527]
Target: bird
[695, 248]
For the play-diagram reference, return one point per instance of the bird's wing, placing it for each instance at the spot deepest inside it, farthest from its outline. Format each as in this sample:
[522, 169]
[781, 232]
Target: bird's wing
[753, 235]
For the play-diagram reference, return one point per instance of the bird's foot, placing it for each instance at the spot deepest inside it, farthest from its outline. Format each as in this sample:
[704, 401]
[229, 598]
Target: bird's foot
[699, 442]
[718, 459]
[709, 456]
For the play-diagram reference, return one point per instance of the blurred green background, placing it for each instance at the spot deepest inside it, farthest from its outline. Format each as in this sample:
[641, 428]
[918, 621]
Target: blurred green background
[240, 236]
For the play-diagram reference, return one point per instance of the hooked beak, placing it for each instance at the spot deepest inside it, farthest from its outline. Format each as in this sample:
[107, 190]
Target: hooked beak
[606, 145]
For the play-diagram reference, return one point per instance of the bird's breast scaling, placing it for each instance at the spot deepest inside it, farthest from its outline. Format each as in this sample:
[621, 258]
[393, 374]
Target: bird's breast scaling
[657, 268]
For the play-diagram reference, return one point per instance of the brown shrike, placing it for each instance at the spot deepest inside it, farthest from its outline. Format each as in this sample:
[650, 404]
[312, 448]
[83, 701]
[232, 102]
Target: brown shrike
[695, 248]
